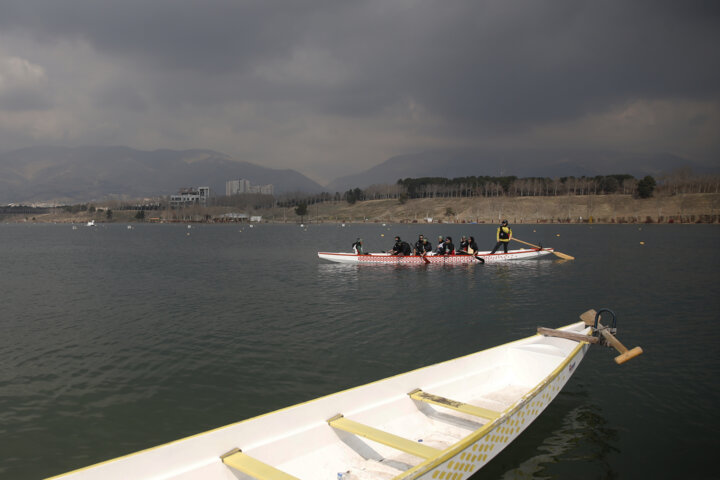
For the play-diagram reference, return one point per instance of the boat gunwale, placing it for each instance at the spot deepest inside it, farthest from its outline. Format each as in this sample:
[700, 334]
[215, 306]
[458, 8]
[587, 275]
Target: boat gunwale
[444, 455]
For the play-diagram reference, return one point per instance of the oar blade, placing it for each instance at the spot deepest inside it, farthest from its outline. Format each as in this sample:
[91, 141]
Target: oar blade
[558, 254]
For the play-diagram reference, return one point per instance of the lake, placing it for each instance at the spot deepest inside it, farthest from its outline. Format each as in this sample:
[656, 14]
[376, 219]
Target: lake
[114, 340]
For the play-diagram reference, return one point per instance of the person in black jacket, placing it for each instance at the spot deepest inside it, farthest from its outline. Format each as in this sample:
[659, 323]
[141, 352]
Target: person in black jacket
[422, 246]
[441, 246]
[463, 245]
[472, 246]
[449, 246]
[401, 248]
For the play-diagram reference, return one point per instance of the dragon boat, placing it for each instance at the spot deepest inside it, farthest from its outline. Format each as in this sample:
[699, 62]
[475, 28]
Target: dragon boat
[477, 257]
[443, 421]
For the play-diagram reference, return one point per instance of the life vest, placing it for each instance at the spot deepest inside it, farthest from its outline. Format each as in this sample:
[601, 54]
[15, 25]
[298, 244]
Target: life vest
[504, 234]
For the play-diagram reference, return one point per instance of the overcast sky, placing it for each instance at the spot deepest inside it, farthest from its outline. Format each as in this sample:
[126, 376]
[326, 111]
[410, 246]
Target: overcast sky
[333, 87]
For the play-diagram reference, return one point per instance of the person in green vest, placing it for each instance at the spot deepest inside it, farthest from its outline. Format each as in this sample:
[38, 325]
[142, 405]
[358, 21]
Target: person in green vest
[504, 235]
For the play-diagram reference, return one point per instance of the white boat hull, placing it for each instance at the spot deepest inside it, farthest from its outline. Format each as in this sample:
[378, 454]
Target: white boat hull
[502, 389]
[387, 258]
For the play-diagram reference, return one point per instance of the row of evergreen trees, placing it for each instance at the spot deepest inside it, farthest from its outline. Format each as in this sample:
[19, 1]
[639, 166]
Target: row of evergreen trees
[485, 186]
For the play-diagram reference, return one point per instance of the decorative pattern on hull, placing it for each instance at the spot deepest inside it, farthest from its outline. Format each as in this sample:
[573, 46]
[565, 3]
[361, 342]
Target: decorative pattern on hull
[501, 432]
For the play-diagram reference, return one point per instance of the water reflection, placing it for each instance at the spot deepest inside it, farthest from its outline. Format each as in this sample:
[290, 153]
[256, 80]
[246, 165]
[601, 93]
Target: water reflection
[333, 273]
[583, 437]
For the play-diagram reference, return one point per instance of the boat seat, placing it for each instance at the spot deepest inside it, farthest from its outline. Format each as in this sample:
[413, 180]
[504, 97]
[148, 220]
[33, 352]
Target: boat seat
[421, 396]
[399, 443]
[238, 460]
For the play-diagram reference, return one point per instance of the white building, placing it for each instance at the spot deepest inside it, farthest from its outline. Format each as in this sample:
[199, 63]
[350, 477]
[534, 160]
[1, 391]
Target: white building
[235, 187]
[191, 196]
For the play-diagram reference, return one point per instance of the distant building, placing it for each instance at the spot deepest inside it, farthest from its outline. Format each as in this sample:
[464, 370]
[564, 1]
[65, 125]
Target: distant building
[236, 187]
[234, 217]
[187, 197]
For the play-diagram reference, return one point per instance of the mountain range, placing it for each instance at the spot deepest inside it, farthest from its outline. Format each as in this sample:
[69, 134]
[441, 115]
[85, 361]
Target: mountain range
[81, 174]
[93, 173]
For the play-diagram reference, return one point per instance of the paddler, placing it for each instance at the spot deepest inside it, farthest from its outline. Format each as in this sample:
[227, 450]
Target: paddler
[449, 247]
[472, 246]
[422, 246]
[401, 247]
[357, 247]
[504, 235]
[441, 246]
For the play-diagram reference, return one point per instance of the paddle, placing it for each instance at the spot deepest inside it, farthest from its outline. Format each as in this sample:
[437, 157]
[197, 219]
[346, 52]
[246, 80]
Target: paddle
[557, 254]
[423, 256]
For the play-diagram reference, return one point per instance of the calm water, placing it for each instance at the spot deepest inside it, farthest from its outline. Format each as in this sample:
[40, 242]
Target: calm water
[114, 340]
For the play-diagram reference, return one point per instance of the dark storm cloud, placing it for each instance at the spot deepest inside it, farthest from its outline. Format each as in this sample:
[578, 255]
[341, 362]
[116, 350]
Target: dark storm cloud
[496, 64]
[213, 36]
[311, 82]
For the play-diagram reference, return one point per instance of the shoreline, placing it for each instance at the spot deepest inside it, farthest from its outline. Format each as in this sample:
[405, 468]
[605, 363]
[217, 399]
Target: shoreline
[598, 209]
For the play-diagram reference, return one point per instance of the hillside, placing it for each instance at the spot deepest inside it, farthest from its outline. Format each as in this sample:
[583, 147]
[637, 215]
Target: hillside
[602, 209]
[94, 173]
[682, 208]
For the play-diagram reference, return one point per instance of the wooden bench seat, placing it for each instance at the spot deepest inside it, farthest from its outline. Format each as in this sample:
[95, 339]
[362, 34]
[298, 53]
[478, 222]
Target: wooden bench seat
[380, 436]
[421, 396]
[255, 468]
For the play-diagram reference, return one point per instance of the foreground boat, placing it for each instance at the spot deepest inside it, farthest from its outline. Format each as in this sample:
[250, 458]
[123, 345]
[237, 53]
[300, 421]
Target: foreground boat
[444, 421]
[479, 257]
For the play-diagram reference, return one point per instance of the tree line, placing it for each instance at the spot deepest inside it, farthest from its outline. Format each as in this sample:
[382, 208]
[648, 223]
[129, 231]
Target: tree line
[677, 182]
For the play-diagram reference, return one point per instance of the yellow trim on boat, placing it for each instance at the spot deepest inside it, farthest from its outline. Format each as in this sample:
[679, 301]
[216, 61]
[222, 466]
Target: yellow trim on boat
[421, 396]
[452, 451]
[380, 436]
[253, 467]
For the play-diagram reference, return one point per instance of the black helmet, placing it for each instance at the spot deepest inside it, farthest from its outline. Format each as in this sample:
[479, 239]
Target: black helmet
[504, 222]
